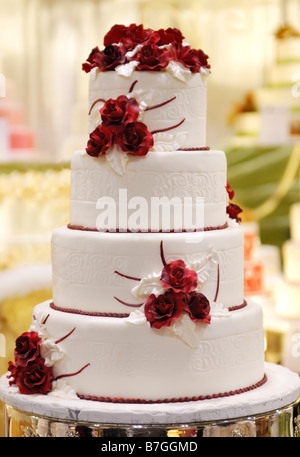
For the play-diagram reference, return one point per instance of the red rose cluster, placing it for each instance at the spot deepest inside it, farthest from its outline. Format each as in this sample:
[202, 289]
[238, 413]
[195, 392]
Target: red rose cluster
[158, 47]
[120, 126]
[233, 210]
[180, 283]
[29, 371]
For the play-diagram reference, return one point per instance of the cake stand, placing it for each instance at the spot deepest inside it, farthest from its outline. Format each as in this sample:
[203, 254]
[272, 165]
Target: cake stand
[272, 410]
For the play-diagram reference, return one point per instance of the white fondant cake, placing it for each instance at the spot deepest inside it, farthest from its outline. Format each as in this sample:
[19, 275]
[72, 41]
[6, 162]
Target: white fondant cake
[87, 266]
[287, 44]
[129, 360]
[146, 312]
[181, 97]
[154, 179]
[288, 290]
[287, 57]
[280, 90]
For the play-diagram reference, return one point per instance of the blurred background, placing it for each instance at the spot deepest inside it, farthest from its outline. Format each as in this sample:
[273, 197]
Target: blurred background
[253, 115]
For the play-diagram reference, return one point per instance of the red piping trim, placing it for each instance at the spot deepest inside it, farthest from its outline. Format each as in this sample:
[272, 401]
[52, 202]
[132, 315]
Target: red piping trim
[87, 313]
[88, 229]
[175, 400]
[119, 315]
[203, 148]
[235, 308]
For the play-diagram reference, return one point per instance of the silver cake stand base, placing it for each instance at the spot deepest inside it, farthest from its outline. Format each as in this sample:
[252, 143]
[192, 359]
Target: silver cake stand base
[272, 410]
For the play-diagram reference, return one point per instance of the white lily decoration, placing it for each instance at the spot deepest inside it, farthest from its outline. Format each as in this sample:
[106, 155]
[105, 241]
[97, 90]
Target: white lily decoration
[95, 116]
[204, 71]
[137, 317]
[189, 331]
[127, 69]
[144, 99]
[185, 329]
[217, 309]
[165, 141]
[179, 71]
[51, 352]
[61, 389]
[39, 326]
[147, 286]
[203, 267]
[133, 52]
[117, 160]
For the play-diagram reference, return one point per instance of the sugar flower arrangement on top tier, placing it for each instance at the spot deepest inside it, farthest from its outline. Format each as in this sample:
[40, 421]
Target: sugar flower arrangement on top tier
[145, 49]
[118, 122]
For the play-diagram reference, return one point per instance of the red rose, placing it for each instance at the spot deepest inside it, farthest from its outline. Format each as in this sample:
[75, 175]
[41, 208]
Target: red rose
[198, 307]
[153, 58]
[170, 35]
[105, 60]
[129, 36]
[92, 60]
[177, 277]
[233, 211]
[35, 378]
[192, 58]
[111, 57]
[119, 112]
[229, 191]
[135, 139]
[13, 369]
[161, 311]
[27, 348]
[101, 139]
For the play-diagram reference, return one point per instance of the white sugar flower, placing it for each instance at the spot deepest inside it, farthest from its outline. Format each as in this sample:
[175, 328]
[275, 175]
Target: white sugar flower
[219, 310]
[147, 286]
[51, 352]
[137, 317]
[38, 325]
[165, 141]
[179, 71]
[95, 118]
[61, 389]
[127, 69]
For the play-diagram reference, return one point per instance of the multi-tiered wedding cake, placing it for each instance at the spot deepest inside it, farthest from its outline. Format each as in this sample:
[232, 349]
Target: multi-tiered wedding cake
[148, 305]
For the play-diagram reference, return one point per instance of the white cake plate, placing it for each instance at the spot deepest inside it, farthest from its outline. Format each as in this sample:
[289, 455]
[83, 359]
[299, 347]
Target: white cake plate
[274, 406]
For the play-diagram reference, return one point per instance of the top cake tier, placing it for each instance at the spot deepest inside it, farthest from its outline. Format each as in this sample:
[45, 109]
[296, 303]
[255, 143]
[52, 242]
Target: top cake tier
[173, 110]
[164, 79]
[147, 138]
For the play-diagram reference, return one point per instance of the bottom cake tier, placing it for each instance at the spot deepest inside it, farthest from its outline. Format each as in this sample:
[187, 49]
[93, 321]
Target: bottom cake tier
[125, 360]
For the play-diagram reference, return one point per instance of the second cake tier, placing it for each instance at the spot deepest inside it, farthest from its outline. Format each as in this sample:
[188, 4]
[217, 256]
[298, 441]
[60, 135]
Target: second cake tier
[163, 191]
[114, 273]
